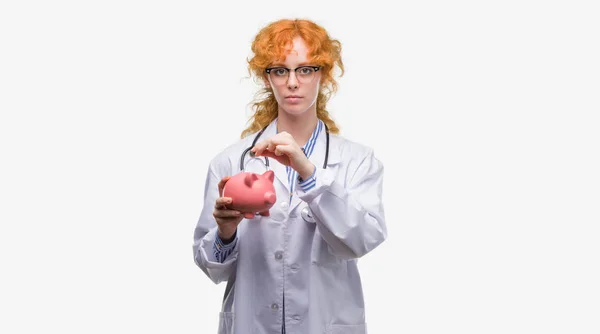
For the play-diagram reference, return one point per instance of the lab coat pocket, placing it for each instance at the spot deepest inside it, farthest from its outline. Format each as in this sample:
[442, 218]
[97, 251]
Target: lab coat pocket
[226, 322]
[347, 329]
[320, 253]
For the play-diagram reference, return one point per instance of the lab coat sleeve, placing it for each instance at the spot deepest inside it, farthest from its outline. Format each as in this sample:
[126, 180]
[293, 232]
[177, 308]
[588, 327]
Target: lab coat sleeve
[205, 235]
[349, 217]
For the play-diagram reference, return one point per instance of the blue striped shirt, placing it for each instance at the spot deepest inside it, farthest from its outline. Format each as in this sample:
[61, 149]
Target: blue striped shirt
[221, 250]
[308, 149]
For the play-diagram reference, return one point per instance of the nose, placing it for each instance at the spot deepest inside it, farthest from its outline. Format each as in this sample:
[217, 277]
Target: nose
[292, 83]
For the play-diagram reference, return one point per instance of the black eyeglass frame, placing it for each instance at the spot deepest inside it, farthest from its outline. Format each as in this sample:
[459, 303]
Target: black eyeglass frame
[269, 69]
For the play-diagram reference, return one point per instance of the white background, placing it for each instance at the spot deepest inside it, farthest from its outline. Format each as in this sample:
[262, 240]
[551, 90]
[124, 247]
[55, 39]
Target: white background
[485, 114]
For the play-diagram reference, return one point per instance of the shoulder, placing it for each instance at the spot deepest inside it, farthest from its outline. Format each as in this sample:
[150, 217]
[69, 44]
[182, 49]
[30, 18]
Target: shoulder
[349, 149]
[358, 160]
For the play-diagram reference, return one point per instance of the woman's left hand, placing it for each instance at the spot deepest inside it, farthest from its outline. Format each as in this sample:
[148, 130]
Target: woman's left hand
[283, 148]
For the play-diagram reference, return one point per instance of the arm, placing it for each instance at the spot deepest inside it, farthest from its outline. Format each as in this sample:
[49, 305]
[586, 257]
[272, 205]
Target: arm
[205, 236]
[350, 219]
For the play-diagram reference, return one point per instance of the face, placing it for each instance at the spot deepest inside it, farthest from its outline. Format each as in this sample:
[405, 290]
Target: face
[295, 95]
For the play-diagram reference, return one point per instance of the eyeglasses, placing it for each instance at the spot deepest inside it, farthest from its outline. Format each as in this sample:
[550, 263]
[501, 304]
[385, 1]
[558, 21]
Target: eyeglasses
[280, 75]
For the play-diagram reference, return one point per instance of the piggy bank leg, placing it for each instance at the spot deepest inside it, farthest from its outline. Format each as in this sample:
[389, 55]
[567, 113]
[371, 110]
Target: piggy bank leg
[265, 213]
[248, 215]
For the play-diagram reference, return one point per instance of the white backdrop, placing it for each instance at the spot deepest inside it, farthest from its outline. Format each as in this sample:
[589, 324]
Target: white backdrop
[485, 115]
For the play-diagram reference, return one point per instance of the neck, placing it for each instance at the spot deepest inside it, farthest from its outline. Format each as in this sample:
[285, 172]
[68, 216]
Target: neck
[300, 127]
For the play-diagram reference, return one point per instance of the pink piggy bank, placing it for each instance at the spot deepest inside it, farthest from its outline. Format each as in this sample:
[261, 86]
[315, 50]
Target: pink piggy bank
[251, 193]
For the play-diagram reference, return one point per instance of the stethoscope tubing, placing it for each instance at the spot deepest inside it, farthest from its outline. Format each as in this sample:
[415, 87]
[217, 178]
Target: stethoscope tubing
[267, 159]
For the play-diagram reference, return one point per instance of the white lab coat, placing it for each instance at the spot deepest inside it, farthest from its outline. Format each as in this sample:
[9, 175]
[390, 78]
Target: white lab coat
[312, 264]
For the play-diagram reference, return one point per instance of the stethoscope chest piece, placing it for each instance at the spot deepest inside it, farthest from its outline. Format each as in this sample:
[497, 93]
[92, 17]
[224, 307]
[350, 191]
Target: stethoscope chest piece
[307, 215]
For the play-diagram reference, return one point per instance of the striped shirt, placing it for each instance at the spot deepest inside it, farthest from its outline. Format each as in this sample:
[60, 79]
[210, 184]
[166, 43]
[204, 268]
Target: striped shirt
[308, 149]
[221, 250]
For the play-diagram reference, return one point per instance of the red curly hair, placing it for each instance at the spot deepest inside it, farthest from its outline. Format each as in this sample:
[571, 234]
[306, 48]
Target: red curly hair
[273, 43]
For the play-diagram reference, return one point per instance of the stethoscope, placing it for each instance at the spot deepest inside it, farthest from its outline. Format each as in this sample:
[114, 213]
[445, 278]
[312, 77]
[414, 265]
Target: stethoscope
[306, 214]
[267, 159]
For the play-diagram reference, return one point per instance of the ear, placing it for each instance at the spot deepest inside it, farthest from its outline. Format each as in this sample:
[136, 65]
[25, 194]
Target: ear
[269, 175]
[250, 178]
[266, 81]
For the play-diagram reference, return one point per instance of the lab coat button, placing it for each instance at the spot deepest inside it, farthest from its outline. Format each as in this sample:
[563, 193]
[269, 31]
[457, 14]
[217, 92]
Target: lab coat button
[274, 306]
[285, 205]
[294, 267]
[278, 255]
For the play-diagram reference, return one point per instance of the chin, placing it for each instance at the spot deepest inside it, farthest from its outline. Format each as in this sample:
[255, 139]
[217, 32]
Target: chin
[294, 109]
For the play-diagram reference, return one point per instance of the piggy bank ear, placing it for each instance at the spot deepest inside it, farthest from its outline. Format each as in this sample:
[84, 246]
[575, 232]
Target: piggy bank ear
[269, 175]
[250, 178]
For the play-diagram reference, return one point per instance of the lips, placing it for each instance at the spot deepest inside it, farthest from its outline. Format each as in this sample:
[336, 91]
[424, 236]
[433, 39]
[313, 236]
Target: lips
[293, 99]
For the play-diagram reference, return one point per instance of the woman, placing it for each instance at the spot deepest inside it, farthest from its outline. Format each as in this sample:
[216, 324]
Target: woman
[294, 270]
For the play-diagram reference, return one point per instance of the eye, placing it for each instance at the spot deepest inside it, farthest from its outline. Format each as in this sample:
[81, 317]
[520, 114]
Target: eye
[280, 71]
[306, 70]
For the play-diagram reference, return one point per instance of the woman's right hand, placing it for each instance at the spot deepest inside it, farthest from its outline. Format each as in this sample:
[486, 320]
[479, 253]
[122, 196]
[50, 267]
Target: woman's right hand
[227, 219]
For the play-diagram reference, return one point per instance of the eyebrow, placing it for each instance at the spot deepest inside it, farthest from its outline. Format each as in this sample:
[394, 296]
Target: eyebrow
[282, 65]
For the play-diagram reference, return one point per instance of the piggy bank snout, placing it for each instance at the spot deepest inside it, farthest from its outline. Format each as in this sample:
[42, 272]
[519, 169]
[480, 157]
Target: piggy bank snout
[270, 198]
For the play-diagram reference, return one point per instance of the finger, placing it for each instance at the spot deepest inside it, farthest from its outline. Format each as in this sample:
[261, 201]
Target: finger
[269, 154]
[222, 184]
[278, 150]
[282, 159]
[259, 147]
[266, 146]
[262, 144]
[226, 213]
[282, 138]
[222, 202]
[283, 149]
